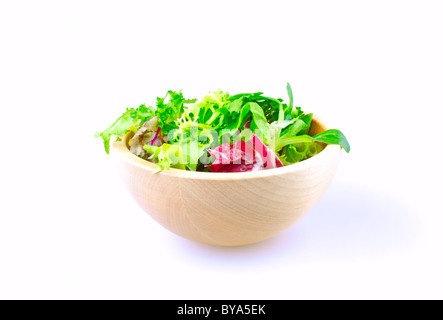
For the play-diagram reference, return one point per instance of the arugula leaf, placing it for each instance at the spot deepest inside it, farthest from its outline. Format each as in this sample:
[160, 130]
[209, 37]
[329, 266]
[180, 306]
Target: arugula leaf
[333, 136]
[282, 142]
[245, 111]
[300, 127]
[258, 117]
[235, 106]
[218, 118]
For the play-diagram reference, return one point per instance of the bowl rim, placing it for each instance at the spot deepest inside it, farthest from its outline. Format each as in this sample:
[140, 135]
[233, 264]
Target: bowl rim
[120, 150]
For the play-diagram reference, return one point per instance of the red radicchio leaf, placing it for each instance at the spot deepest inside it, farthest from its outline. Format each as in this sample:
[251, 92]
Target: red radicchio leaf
[269, 157]
[240, 157]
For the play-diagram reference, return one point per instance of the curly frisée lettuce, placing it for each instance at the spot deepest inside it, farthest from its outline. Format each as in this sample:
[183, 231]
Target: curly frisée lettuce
[221, 133]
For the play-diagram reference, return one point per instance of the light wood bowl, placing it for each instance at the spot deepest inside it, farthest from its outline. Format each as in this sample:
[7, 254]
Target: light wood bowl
[228, 209]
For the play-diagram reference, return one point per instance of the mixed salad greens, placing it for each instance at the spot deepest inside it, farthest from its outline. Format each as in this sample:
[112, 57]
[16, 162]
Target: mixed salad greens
[221, 133]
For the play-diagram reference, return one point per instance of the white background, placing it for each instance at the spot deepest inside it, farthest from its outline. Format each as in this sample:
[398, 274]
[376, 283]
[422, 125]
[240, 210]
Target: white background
[374, 69]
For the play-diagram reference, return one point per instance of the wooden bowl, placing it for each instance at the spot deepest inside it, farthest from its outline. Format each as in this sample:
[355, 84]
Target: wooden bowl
[228, 209]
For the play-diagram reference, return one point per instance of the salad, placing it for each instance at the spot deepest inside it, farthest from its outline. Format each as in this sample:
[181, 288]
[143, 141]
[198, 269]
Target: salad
[221, 132]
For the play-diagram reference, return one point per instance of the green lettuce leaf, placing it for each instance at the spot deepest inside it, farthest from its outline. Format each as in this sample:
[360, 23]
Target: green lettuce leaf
[118, 128]
[166, 156]
[170, 108]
